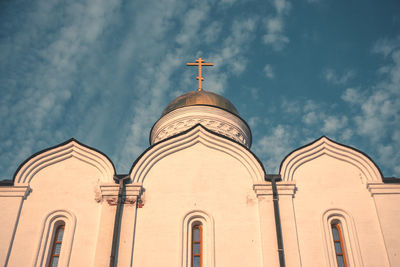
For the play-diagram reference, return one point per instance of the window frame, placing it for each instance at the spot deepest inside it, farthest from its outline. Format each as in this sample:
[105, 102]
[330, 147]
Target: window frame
[55, 242]
[190, 220]
[193, 255]
[350, 240]
[338, 227]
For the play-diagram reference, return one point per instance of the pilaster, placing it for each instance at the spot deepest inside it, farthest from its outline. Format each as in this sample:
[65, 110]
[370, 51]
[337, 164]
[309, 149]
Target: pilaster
[387, 198]
[11, 201]
[267, 224]
[108, 197]
[286, 192]
[108, 193]
[128, 224]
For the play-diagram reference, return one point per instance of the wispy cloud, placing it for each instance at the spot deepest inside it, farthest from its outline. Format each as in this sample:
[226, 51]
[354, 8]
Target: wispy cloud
[374, 117]
[321, 116]
[332, 76]
[379, 106]
[274, 146]
[386, 46]
[39, 62]
[88, 70]
[372, 114]
[353, 95]
[314, 1]
[229, 60]
[102, 72]
[317, 119]
[275, 36]
[269, 72]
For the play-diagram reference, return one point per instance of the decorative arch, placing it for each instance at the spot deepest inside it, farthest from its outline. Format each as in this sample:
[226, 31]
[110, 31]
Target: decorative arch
[63, 151]
[195, 135]
[349, 232]
[325, 146]
[189, 220]
[49, 225]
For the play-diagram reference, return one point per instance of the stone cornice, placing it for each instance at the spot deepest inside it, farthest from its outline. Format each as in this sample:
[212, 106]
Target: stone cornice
[109, 192]
[21, 190]
[383, 189]
[265, 188]
[133, 190]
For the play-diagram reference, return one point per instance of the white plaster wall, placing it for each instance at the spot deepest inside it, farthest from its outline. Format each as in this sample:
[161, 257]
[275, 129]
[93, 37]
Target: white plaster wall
[388, 207]
[70, 184]
[198, 178]
[329, 183]
[9, 209]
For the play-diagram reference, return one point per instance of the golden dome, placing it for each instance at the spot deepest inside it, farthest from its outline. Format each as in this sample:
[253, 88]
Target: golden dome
[199, 98]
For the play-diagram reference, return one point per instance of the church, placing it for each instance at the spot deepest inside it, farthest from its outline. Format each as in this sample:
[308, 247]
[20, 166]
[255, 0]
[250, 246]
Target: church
[199, 197]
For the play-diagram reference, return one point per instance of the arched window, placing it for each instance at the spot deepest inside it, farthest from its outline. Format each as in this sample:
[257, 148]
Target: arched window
[197, 245]
[198, 240]
[339, 244]
[56, 238]
[56, 247]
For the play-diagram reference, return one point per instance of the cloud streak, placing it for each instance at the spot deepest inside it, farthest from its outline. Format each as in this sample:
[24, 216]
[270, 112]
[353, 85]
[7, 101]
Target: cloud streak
[48, 51]
[275, 36]
[269, 71]
[228, 57]
[373, 116]
[332, 76]
[89, 70]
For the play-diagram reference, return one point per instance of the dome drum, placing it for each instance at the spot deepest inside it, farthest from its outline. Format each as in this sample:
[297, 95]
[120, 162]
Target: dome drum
[215, 119]
[211, 110]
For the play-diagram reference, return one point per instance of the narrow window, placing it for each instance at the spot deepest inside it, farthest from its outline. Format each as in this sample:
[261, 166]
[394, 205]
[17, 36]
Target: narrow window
[197, 245]
[57, 241]
[339, 245]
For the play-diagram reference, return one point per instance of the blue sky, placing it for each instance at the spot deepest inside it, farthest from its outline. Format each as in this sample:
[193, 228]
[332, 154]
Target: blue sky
[103, 71]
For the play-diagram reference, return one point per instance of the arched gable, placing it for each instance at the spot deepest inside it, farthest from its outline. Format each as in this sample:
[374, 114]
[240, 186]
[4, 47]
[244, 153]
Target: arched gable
[190, 137]
[325, 146]
[71, 148]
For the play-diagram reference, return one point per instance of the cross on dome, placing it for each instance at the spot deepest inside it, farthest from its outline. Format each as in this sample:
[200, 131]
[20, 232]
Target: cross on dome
[199, 62]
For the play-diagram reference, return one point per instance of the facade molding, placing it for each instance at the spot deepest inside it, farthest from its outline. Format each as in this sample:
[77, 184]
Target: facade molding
[206, 220]
[195, 135]
[71, 148]
[20, 190]
[383, 189]
[284, 188]
[325, 146]
[352, 246]
[49, 225]
[109, 193]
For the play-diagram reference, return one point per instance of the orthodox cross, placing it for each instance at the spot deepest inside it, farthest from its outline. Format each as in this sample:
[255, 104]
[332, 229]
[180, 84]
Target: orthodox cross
[200, 62]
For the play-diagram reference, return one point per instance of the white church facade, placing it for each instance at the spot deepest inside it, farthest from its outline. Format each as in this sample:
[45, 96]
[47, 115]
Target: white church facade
[198, 197]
